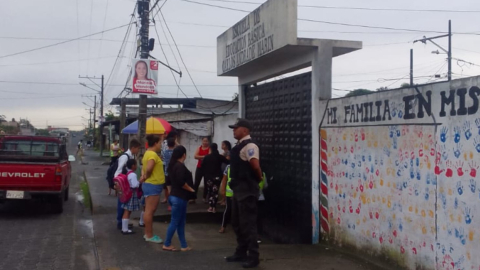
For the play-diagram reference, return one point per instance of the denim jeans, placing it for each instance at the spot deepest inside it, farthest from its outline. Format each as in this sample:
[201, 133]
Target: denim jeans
[119, 213]
[179, 217]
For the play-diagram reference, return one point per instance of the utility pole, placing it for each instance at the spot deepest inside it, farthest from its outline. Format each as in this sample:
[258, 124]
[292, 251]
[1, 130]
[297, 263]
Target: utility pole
[143, 7]
[411, 67]
[449, 52]
[94, 118]
[100, 135]
[122, 123]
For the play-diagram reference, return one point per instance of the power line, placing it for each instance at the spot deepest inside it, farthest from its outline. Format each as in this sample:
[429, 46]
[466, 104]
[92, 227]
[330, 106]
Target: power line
[63, 42]
[121, 48]
[56, 62]
[89, 30]
[342, 24]
[101, 37]
[359, 8]
[179, 53]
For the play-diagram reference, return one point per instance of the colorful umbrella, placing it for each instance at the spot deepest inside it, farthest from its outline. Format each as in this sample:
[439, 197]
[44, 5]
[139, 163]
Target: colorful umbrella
[158, 126]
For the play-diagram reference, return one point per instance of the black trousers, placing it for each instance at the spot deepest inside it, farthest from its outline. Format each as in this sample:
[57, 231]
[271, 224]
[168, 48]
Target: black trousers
[199, 174]
[227, 214]
[244, 223]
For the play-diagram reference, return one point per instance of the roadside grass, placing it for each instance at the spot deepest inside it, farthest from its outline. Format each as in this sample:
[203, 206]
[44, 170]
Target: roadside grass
[86, 195]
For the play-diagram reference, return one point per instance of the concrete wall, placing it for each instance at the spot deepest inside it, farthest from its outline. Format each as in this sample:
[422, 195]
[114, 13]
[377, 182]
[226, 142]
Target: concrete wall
[399, 177]
[191, 142]
[221, 131]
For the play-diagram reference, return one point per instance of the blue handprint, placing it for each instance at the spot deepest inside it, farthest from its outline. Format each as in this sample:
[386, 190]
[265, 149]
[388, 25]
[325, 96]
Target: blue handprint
[399, 172]
[411, 163]
[387, 151]
[443, 134]
[468, 216]
[371, 168]
[394, 111]
[400, 114]
[459, 188]
[405, 164]
[477, 122]
[395, 144]
[467, 131]
[427, 194]
[359, 163]
[363, 158]
[400, 225]
[392, 130]
[417, 162]
[405, 184]
[412, 173]
[419, 176]
[443, 198]
[473, 185]
[460, 234]
[443, 148]
[458, 150]
[353, 165]
[369, 158]
[455, 204]
[417, 192]
[381, 161]
[428, 179]
[398, 131]
[397, 162]
[476, 142]
[457, 137]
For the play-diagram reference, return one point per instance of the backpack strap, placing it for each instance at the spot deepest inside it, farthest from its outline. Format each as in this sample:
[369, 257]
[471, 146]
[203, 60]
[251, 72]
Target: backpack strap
[128, 173]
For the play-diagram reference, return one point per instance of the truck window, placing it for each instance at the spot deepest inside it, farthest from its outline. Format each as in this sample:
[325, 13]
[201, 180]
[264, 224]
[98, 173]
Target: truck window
[26, 148]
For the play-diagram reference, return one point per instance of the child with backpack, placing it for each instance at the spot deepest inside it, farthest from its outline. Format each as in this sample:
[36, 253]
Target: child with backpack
[133, 203]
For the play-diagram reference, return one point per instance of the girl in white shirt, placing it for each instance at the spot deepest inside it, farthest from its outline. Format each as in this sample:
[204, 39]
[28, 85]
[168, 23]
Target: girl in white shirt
[134, 203]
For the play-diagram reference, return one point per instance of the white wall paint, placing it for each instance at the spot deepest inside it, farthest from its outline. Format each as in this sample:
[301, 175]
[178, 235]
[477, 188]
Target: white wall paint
[406, 188]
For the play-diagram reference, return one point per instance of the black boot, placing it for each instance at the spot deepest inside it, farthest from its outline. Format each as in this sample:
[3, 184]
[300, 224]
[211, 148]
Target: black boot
[236, 258]
[251, 263]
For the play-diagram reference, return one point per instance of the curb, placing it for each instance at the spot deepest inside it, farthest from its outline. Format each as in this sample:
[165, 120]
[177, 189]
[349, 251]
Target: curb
[90, 197]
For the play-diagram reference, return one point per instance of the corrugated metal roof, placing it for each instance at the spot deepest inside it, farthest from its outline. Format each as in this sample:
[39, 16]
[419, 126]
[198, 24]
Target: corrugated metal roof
[200, 129]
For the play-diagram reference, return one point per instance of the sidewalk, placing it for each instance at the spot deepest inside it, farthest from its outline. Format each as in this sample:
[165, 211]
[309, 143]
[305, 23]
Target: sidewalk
[117, 251]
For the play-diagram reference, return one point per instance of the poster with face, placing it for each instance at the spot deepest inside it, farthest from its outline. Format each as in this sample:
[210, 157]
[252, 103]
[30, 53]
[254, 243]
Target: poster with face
[145, 76]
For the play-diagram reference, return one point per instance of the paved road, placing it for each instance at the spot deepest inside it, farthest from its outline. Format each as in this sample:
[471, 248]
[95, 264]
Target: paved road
[34, 238]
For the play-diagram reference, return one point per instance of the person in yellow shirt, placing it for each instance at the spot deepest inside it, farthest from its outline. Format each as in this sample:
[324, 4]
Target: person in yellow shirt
[153, 179]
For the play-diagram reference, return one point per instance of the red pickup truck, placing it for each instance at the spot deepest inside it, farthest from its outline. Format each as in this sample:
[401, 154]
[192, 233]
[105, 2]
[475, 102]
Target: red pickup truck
[34, 167]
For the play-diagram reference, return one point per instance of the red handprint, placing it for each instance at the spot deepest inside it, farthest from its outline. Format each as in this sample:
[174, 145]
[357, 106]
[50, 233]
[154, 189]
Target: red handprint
[363, 134]
[473, 169]
[449, 172]
[459, 167]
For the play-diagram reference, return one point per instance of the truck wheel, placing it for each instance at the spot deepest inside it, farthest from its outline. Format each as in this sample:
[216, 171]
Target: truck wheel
[67, 193]
[58, 203]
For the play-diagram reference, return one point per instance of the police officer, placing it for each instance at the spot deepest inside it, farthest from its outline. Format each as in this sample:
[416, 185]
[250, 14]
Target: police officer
[246, 174]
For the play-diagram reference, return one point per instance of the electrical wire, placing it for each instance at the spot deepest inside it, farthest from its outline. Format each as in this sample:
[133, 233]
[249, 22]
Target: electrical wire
[121, 49]
[63, 42]
[101, 37]
[342, 24]
[89, 30]
[358, 8]
[56, 62]
[180, 54]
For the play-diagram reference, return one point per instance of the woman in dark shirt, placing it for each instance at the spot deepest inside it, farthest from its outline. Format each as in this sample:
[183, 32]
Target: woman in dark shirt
[212, 169]
[181, 181]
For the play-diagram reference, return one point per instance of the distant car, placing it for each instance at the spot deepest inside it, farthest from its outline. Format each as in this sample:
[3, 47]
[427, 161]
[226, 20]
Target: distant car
[73, 135]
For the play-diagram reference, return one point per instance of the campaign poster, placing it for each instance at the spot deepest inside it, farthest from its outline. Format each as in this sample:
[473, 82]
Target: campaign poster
[145, 76]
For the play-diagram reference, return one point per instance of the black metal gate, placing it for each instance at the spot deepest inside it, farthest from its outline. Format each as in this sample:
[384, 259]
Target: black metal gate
[282, 117]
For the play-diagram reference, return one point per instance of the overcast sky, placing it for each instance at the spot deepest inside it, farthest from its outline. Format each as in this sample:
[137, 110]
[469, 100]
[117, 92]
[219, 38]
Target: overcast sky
[32, 24]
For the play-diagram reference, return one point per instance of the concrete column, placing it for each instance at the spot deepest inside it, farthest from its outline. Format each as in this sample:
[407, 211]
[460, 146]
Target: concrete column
[241, 100]
[321, 90]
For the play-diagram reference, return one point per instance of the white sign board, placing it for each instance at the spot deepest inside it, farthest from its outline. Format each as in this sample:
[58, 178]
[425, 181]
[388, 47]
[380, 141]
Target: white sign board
[268, 28]
[145, 77]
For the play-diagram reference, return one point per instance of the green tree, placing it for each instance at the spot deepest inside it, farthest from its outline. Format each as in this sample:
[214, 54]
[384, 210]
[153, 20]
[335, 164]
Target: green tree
[109, 116]
[383, 88]
[405, 85]
[359, 92]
